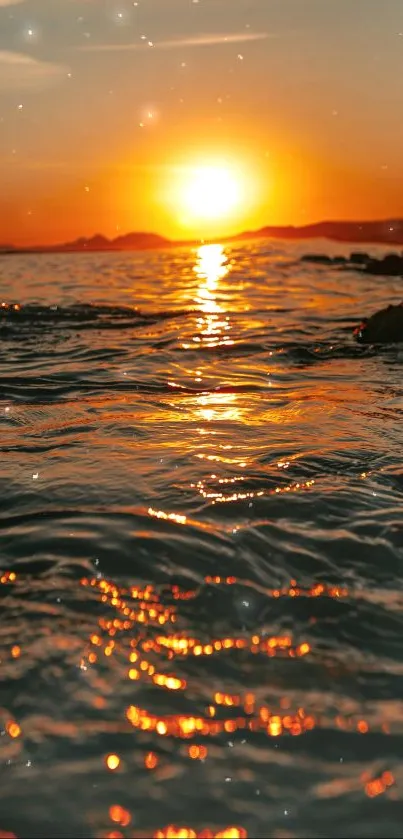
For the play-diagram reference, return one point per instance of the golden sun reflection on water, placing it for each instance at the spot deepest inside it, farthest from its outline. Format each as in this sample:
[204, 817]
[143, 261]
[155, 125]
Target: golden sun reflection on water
[213, 324]
[218, 406]
[211, 266]
[213, 327]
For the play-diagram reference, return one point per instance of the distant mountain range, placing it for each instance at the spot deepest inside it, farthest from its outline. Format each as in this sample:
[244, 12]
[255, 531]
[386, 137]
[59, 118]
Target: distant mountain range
[388, 232]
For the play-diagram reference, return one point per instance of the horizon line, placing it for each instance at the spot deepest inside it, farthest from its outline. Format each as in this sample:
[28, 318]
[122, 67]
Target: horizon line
[82, 240]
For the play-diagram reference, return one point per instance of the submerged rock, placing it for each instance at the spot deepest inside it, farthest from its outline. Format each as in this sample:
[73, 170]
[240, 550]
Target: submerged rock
[384, 327]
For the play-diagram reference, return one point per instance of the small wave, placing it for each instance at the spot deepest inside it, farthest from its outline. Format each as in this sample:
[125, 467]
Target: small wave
[82, 315]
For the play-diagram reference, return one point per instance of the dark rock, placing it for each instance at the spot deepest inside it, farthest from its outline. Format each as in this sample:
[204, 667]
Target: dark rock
[390, 266]
[323, 259]
[384, 327]
[359, 258]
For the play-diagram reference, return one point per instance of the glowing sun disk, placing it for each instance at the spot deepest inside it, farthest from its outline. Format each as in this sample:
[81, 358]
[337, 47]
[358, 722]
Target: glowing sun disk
[211, 192]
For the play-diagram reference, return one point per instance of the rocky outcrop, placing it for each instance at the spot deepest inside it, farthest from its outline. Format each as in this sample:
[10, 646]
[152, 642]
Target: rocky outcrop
[390, 265]
[323, 259]
[357, 258]
[384, 327]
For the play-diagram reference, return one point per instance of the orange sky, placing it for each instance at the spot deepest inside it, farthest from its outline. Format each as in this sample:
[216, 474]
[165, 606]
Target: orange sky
[105, 106]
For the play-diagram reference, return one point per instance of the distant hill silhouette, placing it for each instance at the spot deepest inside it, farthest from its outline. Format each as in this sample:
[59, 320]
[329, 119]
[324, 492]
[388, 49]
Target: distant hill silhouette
[129, 241]
[387, 232]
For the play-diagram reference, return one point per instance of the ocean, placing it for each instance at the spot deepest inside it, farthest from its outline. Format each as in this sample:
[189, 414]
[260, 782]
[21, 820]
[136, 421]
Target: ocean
[201, 547]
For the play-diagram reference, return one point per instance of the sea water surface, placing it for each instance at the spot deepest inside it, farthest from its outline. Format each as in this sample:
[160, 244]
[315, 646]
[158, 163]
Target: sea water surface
[201, 547]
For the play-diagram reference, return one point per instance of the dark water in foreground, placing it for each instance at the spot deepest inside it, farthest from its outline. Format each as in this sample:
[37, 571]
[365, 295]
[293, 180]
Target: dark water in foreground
[201, 548]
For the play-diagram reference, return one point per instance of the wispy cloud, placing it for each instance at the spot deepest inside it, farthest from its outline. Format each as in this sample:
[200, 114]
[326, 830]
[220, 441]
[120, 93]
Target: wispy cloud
[201, 41]
[21, 72]
[10, 2]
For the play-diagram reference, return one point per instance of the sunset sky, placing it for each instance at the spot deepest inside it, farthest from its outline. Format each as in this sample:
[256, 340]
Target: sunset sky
[109, 111]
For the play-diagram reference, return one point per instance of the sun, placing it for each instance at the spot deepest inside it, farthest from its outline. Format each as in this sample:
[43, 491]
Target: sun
[211, 192]
[209, 195]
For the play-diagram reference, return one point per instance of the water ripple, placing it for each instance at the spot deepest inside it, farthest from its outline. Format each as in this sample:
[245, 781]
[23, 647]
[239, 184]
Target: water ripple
[201, 572]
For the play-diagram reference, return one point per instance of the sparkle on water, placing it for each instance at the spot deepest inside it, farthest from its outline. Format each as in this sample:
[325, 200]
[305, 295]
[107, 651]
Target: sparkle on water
[201, 575]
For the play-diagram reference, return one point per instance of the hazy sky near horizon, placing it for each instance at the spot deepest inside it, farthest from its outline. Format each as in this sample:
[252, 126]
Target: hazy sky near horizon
[103, 101]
